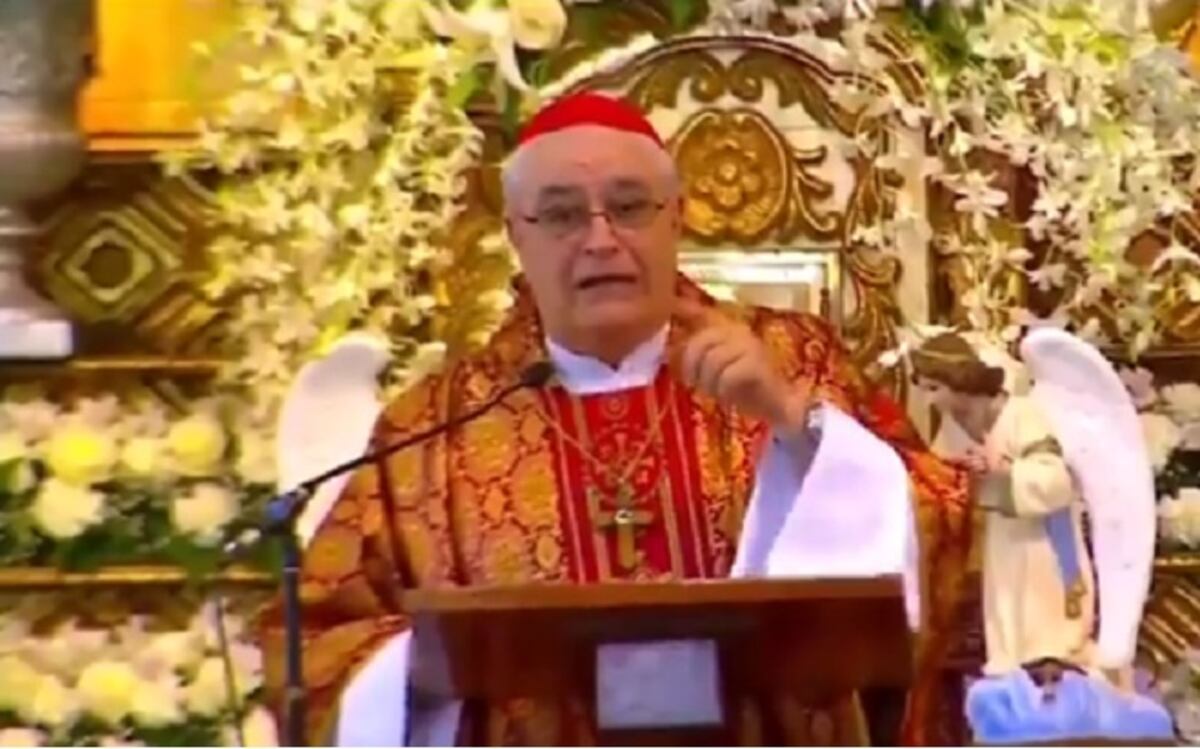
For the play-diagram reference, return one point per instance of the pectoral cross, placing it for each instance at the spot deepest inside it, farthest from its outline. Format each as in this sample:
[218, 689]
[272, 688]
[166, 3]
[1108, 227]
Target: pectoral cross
[626, 518]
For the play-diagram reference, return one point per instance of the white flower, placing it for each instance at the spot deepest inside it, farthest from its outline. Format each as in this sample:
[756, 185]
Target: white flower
[17, 682]
[259, 728]
[144, 457]
[63, 510]
[537, 24]
[107, 689]
[1162, 438]
[13, 447]
[1140, 384]
[33, 419]
[157, 703]
[169, 653]
[68, 649]
[53, 704]
[80, 454]
[207, 693]
[21, 737]
[1179, 517]
[205, 512]
[1183, 401]
[1191, 437]
[14, 450]
[198, 443]
[98, 413]
[255, 458]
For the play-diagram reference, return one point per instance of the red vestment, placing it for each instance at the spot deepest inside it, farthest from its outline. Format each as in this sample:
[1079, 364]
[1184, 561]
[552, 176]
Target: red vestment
[528, 492]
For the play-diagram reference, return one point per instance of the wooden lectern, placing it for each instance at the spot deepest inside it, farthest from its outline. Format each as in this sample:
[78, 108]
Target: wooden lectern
[808, 638]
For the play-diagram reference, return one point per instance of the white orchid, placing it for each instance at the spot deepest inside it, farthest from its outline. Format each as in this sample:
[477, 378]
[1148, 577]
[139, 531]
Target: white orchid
[489, 33]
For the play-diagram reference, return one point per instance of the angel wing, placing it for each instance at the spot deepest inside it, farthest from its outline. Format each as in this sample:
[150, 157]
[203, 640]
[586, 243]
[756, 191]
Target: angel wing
[1097, 424]
[327, 418]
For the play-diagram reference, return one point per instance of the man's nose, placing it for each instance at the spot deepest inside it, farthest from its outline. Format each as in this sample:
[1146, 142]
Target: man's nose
[600, 238]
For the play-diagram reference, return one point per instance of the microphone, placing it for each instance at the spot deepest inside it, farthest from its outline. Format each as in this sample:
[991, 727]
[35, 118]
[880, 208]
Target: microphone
[280, 518]
[281, 512]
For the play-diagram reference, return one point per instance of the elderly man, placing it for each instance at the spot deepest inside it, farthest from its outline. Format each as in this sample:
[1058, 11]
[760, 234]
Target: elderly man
[680, 439]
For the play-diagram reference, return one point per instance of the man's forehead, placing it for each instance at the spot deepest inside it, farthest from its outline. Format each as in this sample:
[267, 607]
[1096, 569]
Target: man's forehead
[568, 187]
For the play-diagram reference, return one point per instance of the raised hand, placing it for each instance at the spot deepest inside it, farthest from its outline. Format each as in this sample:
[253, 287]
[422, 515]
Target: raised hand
[726, 360]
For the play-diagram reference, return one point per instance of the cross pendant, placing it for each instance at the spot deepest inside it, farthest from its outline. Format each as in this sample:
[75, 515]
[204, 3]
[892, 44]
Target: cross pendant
[626, 518]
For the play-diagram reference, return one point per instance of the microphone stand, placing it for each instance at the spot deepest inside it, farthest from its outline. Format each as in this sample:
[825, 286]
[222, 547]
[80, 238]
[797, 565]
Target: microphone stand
[279, 519]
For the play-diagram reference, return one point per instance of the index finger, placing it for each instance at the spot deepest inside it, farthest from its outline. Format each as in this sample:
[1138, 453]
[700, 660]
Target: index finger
[693, 315]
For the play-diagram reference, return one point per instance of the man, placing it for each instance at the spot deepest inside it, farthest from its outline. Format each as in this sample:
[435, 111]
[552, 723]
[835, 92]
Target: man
[679, 440]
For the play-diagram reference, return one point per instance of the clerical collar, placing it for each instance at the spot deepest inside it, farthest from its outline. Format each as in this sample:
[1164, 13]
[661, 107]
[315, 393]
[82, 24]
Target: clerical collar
[583, 375]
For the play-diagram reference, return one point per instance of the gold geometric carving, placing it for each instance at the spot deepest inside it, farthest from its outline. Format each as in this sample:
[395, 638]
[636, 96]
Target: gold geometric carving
[1171, 622]
[123, 255]
[744, 181]
[744, 184]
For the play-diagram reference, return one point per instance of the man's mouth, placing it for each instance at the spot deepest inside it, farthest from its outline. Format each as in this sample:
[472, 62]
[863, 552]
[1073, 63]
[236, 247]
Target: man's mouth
[607, 279]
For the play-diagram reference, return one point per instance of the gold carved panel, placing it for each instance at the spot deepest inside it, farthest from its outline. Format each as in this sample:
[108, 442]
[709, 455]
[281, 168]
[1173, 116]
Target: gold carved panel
[748, 187]
[123, 254]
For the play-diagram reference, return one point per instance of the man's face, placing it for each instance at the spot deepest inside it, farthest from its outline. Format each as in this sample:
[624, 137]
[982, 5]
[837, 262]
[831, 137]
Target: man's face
[595, 221]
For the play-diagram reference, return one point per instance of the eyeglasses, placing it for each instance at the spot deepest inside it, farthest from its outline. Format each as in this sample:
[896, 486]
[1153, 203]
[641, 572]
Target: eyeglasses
[566, 220]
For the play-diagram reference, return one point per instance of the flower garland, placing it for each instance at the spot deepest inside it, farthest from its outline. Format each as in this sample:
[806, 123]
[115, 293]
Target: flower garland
[101, 482]
[1085, 100]
[343, 153]
[129, 685]
[1171, 422]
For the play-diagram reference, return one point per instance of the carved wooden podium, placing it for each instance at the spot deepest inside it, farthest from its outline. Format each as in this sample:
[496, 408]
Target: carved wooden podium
[808, 638]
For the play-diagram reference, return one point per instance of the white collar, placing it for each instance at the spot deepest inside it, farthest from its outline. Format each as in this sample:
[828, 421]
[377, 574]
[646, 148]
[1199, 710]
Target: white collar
[584, 375]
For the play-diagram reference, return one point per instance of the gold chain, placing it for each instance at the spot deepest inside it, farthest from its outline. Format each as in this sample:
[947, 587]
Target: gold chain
[621, 479]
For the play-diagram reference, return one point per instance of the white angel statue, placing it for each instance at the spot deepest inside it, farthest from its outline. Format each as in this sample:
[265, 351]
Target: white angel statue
[1042, 460]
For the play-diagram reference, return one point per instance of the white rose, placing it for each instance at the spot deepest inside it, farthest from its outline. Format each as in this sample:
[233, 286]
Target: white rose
[206, 694]
[21, 737]
[33, 419]
[1189, 520]
[14, 448]
[1191, 437]
[80, 455]
[1183, 401]
[64, 510]
[204, 512]
[259, 728]
[18, 680]
[107, 689]
[169, 653]
[256, 459]
[68, 649]
[53, 705]
[144, 457]
[1162, 437]
[537, 24]
[198, 443]
[157, 703]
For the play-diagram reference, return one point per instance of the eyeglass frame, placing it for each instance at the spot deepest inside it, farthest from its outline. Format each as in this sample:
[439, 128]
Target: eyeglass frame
[656, 206]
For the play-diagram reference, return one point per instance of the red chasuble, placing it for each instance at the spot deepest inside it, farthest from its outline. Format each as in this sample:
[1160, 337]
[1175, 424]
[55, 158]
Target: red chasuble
[646, 483]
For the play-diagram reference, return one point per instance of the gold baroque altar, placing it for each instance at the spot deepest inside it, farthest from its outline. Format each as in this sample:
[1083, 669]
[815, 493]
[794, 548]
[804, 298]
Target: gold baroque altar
[751, 121]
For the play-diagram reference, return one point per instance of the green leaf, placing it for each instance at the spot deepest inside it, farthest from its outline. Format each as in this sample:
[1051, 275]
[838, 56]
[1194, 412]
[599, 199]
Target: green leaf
[195, 732]
[681, 12]
[199, 561]
[465, 87]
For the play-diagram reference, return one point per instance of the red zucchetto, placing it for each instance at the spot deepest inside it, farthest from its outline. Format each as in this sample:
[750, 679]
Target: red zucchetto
[588, 109]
